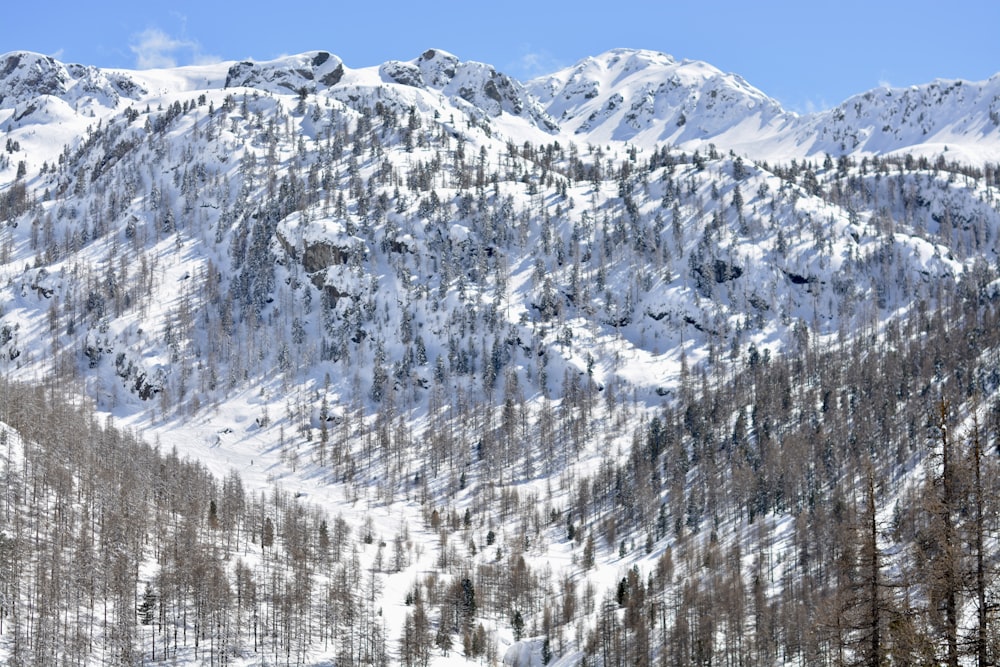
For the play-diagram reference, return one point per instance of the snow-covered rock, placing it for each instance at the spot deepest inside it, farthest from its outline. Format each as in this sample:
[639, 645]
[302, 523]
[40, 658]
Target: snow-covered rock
[27, 79]
[316, 70]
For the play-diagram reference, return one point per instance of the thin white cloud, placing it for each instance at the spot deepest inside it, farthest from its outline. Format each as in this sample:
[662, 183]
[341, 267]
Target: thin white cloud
[815, 106]
[533, 63]
[154, 48]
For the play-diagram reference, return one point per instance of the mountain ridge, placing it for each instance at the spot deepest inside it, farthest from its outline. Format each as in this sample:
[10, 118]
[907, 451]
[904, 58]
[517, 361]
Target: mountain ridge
[623, 95]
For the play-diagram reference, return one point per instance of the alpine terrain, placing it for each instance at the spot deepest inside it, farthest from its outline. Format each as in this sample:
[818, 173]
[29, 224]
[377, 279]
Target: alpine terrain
[420, 364]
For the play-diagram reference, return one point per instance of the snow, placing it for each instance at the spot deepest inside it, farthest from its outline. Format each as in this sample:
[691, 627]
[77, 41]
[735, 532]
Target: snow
[617, 101]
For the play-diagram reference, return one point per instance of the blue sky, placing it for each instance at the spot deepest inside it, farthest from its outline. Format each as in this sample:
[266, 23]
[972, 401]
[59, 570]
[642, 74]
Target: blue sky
[807, 55]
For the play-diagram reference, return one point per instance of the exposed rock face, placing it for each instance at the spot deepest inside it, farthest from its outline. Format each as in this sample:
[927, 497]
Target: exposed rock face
[406, 74]
[478, 84]
[28, 78]
[308, 71]
[31, 74]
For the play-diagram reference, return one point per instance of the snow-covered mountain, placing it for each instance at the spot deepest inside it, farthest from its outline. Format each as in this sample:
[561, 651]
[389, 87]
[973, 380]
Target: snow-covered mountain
[648, 98]
[29, 77]
[425, 286]
[641, 97]
[960, 117]
[405, 188]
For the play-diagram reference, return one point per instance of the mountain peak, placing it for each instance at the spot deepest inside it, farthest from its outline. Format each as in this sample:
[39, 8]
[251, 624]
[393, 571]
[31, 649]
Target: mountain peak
[650, 97]
[28, 81]
[437, 54]
[633, 58]
[27, 73]
[437, 67]
[467, 83]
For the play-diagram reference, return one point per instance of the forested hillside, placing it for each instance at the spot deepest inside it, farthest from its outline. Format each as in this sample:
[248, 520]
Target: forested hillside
[418, 364]
[772, 515]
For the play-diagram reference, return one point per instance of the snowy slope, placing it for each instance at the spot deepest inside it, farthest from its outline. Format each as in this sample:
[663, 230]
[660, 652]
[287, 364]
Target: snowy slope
[647, 98]
[379, 218]
[960, 117]
[291, 268]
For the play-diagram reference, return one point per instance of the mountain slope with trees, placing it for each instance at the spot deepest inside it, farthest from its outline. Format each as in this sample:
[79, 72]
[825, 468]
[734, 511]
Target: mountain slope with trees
[537, 375]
